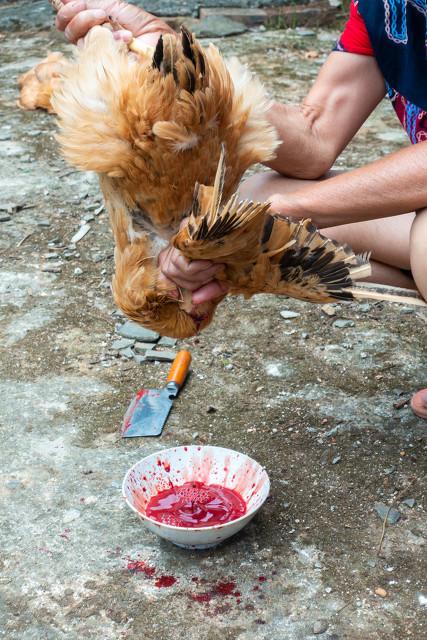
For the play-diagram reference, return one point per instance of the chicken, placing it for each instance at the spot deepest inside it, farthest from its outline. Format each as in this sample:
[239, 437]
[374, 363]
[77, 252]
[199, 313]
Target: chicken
[37, 85]
[155, 125]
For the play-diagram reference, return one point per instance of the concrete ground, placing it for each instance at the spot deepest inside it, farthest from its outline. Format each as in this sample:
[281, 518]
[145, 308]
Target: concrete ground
[318, 405]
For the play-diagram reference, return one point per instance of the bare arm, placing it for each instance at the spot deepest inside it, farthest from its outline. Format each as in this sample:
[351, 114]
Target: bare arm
[390, 186]
[346, 91]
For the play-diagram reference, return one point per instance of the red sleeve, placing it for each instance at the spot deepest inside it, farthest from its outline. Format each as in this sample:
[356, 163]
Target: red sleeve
[355, 38]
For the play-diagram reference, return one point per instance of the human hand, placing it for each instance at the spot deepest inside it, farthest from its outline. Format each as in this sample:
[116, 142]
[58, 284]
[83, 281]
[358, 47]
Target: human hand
[77, 17]
[197, 276]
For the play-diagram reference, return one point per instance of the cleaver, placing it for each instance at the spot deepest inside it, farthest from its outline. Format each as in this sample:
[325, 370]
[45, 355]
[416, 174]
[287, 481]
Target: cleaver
[148, 411]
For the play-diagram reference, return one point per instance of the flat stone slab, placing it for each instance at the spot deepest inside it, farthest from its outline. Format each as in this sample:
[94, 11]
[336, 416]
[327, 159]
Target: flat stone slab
[161, 356]
[137, 332]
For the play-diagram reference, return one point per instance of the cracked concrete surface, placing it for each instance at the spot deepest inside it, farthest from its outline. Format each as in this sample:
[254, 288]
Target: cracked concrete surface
[315, 411]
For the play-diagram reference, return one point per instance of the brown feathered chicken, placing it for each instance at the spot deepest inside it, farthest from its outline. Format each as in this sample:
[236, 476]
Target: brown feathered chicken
[158, 126]
[37, 85]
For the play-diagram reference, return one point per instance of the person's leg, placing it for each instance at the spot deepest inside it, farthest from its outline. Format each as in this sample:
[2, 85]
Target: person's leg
[395, 243]
[418, 255]
[387, 239]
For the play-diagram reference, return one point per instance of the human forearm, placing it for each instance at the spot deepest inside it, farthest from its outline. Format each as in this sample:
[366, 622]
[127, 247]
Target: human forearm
[390, 186]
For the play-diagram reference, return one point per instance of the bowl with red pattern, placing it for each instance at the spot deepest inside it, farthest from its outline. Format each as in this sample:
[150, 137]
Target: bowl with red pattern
[196, 496]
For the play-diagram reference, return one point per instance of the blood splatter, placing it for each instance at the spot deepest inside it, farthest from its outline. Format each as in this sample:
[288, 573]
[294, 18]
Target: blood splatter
[225, 588]
[165, 581]
[139, 566]
[201, 597]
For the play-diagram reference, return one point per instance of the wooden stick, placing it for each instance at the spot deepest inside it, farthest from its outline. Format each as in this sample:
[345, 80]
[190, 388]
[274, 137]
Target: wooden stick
[370, 290]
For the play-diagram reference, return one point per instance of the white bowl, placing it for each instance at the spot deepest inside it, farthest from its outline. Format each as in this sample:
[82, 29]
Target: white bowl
[211, 465]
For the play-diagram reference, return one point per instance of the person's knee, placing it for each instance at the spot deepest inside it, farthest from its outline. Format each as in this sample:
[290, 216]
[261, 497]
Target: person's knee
[418, 251]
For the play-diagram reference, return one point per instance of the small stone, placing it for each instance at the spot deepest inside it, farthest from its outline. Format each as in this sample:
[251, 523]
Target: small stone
[217, 26]
[5, 217]
[142, 347]
[68, 592]
[84, 229]
[320, 626]
[229, 367]
[305, 33]
[78, 271]
[211, 409]
[328, 309]
[409, 502]
[305, 335]
[336, 459]
[393, 515]
[43, 223]
[165, 341]
[127, 353]
[51, 268]
[70, 515]
[13, 484]
[139, 359]
[122, 343]
[343, 324]
[289, 315]
[133, 330]
[382, 593]
[195, 435]
[406, 310]
[328, 589]
[161, 356]
[364, 308]
[371, 563]
[97, 257]
[88, 217]
[51, 256]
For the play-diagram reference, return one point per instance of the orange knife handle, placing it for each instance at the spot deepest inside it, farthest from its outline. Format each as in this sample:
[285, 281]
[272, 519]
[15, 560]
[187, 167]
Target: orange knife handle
[180, 366]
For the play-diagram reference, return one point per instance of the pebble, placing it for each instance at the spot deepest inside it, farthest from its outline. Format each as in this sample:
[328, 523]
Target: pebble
[133, 330]
[381, 592]
[343, 324]
[289, 315]
[320, 626]
[217, 26]
[211, 409]
[406, 310]
[328, 309]
[336, 460]
[305, 335]
[364, 308]
[13, 484]
[165, 341]
[409, 502]
[382, 510]
[142, 347]
[70, 515]
[5, 218]
[127, 353]
[84, 229]
[161, 356]
[51, 268]
[78, 271]
[139, 359]
[43, 223]
[229, 367]
[305, 33]
[122, 343]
